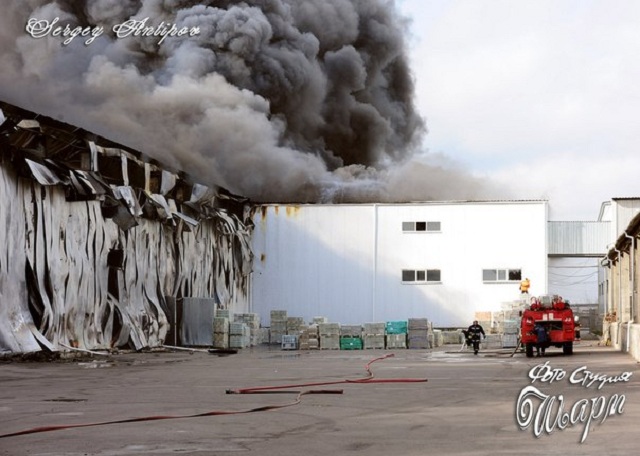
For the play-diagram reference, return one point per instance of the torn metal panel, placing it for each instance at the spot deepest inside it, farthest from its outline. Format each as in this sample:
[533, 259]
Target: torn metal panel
[15, 317]
[123, 218]
[168, 182]
[98, 272]
[83, 186]
[93, 182]
[16, 321]
[162, 206]
[29, 124]
[201, 194]
[42, 174]
[190, 222]
[174, 314]
[16, 335]
[128, 195]
[93, 156]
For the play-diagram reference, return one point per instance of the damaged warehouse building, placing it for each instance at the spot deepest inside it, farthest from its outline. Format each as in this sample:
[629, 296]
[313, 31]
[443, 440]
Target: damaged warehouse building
[104, 248]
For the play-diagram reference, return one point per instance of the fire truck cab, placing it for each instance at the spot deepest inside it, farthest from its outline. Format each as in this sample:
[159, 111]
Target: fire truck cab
[556, 317]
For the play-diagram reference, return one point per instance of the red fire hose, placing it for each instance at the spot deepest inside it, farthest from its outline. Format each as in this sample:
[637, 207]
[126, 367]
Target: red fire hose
[368, 379]
[255, 390]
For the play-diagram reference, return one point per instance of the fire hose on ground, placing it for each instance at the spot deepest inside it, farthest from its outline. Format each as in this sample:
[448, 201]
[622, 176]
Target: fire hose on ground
[254, 390]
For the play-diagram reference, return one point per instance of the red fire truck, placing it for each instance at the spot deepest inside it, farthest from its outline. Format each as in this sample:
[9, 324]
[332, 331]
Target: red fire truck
[556, 317]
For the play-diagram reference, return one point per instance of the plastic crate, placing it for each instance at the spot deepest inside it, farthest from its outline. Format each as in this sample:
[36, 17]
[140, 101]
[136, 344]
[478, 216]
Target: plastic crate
[350, 343]
[396, 327]
[289, 342]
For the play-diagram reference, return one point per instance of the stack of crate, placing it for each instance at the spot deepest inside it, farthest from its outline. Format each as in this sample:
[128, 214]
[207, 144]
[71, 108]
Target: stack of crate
[374, 335]
[350, 337]
[308, 339]
[319, 320]
[452, 336]
[253, 323]
[396, 332]
[510, 330]
[223, 313]
[418, 333]
[485, 319]
[294, 325]
[220, 331]
[278, 326]
[239, 335]
[329, 336]
[438, 339]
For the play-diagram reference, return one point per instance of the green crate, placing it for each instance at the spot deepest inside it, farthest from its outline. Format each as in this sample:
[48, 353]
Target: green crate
[350, 343]
[396, 327]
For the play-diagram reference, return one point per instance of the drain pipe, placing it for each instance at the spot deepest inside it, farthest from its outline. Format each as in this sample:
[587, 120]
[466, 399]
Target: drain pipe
[375, 262]
[633, 286]
[608, 279]
[619, 315]
[607, 299]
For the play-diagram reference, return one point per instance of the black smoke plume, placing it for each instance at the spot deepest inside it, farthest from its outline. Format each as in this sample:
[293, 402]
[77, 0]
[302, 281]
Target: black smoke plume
[276, 100]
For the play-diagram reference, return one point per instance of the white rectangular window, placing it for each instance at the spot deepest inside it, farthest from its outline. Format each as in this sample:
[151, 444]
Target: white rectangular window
[421, 227]
[501, 275]
[420, 275]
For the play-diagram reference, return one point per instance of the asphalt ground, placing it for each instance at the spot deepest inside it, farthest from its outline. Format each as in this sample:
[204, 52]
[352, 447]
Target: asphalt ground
[468, 405]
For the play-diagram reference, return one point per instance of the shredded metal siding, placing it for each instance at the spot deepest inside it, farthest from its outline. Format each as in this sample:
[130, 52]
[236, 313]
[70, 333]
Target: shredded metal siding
[96, 265]
[578, 238]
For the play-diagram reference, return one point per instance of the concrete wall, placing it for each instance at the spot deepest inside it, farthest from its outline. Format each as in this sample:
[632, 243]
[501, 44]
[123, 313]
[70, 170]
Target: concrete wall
[622, 282]
[620, 338]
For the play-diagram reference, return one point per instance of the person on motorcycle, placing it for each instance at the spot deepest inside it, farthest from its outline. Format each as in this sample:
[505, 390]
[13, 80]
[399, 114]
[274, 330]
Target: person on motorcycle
[473, 334]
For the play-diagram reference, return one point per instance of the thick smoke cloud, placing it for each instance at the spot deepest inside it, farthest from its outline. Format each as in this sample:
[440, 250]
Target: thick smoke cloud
[277, 100]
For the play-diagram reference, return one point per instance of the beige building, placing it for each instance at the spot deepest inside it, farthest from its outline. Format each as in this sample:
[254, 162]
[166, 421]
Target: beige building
[619, 282]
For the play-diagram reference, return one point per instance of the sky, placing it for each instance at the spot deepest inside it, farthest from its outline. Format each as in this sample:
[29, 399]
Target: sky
[537, 96]
[327, 101]
[308, 101]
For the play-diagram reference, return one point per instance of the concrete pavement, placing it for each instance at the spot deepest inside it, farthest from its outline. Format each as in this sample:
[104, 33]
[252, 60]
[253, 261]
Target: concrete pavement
[469, 404]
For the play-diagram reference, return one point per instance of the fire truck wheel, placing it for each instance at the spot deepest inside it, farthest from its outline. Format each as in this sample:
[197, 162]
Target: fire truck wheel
[567, 348]
[529, 350]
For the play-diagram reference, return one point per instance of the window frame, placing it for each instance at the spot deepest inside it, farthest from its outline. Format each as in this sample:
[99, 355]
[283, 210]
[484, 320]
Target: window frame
[422, 226]
[502, 275]
[425, 273]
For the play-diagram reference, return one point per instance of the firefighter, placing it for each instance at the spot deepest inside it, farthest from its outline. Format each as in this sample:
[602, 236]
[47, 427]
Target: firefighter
[542, 339]
[524, 286]
[474, 331]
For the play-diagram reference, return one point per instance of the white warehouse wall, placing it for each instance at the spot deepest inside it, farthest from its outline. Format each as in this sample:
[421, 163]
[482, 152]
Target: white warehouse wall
[345, 262]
